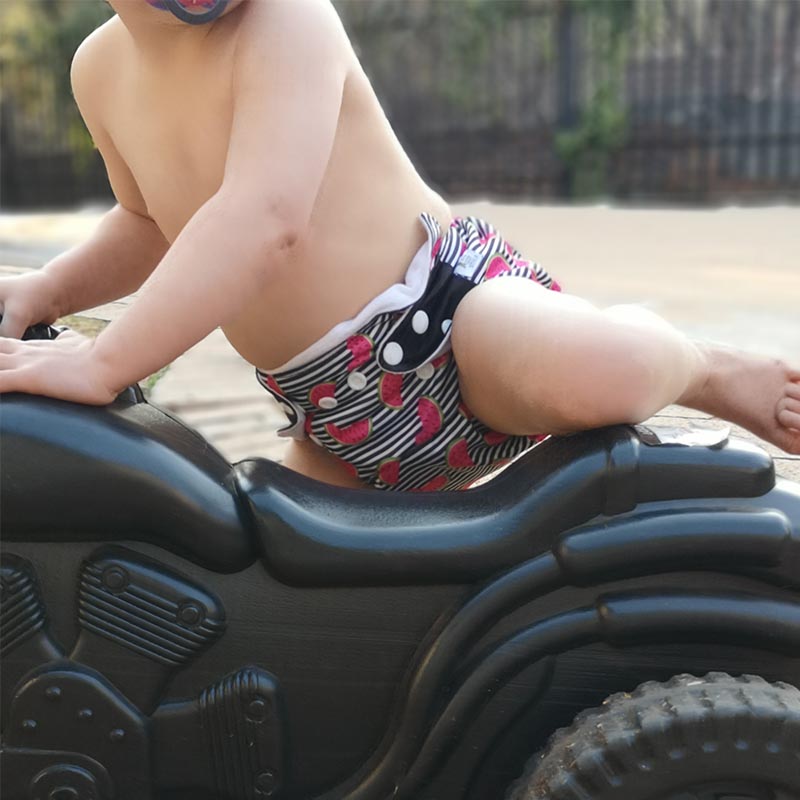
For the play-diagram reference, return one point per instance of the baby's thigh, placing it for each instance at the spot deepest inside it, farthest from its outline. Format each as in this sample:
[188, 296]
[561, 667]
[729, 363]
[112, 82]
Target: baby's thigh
[526, 355]
[313, 461]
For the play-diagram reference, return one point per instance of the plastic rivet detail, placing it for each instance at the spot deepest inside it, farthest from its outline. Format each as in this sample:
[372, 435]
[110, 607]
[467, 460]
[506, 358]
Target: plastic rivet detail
[190, 614]
[159, 615]
[29, 724]
[115, 578]
[64, 782]
[241, 721]
[64, 793]
[266, 783]
[86, 714]
[257, 710]
[117, 735]
[52, 693]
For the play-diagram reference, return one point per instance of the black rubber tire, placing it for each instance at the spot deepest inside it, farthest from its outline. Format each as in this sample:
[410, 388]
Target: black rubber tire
[665, 737]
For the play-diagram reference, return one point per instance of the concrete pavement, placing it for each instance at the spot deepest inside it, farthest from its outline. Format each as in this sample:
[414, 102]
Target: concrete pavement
[730, 275]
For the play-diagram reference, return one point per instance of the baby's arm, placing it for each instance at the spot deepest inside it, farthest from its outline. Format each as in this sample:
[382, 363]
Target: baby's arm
[288, 81]
[127, 244]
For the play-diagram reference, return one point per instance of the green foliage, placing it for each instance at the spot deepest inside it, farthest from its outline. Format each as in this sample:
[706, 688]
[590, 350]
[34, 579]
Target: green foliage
[38, 39]
[587, 147]
[454, 36]
[467, 36]
[470, 25]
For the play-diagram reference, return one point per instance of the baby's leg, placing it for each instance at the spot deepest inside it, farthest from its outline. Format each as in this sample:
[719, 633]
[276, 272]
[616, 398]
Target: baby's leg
[532, 360]
[311, 460]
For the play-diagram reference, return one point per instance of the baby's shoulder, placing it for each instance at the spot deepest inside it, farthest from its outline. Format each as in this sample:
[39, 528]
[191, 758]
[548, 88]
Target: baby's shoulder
[93, 61]
[307, 23]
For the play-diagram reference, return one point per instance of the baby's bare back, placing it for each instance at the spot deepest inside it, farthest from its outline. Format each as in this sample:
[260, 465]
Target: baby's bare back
[169, 117]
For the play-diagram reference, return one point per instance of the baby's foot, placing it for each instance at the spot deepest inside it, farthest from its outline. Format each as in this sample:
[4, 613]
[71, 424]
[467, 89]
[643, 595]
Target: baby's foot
[760, 394]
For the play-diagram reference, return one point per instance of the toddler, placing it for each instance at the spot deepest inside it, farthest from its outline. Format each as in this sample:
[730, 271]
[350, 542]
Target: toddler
[261, 189]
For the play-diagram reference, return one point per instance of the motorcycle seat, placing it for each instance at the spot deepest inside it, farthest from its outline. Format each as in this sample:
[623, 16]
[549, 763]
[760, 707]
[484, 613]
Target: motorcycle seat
[131, 471]
[313, 534]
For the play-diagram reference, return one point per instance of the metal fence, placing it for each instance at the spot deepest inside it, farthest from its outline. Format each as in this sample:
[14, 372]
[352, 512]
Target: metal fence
[657, 100]
[46, 167]
[688, 100]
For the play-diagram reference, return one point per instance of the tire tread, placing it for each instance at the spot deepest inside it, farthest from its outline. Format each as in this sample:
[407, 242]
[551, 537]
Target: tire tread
[630, 732]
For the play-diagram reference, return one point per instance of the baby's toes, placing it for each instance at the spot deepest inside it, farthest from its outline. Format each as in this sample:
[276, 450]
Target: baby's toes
[789, 441]
[788, 411]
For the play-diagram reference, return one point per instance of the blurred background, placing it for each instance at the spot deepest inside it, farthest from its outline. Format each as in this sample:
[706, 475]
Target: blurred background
[645, 151]
[687, 101]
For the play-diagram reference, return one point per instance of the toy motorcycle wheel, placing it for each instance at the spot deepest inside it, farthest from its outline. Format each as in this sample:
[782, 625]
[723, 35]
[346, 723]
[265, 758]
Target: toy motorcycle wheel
[712, 738]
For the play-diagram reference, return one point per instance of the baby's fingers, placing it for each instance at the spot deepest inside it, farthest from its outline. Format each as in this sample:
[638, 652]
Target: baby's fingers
[9, 345]
[12, 356]
[14, 378]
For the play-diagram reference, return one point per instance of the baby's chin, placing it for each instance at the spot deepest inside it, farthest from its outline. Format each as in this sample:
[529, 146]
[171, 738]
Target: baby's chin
[194, 12]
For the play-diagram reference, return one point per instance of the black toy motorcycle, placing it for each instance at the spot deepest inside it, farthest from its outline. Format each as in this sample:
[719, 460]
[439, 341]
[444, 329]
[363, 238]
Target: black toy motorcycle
[176, 627]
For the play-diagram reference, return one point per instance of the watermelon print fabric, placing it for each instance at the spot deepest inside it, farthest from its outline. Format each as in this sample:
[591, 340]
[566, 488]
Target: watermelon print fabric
[385, 398]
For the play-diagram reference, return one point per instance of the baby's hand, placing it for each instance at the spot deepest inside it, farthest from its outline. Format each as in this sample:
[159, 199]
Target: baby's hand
[63, 368]
[24, 301]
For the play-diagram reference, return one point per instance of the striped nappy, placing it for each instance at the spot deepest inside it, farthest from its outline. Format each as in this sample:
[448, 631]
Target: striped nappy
[381, 391]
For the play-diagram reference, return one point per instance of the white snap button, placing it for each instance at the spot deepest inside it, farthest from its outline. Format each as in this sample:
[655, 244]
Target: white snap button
[357, 381]
[420, 322]
[446, 325]
[328, 403]
[425, 371]
[393, 353]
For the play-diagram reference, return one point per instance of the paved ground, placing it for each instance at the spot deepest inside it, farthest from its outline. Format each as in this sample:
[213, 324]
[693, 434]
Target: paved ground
[731, 275]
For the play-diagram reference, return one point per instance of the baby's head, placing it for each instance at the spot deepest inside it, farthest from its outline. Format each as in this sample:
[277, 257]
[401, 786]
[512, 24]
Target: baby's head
[193, 12]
